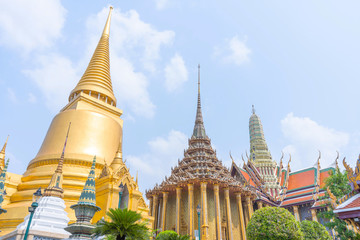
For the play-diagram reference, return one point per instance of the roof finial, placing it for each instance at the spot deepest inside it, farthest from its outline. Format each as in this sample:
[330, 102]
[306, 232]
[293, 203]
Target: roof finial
[253, 109]
[199, 78]
[199, 129]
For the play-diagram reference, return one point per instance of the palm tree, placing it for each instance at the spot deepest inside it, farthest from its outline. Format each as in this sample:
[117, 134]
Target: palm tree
[124, 224]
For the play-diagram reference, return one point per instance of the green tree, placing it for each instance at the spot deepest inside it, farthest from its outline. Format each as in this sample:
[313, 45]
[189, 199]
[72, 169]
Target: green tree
[171, 235]
[339, 186]
[124, 224]
[271, 223]
[313, 230]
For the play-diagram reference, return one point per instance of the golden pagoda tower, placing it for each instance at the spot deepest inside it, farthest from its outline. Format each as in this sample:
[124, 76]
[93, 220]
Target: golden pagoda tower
[200, 179]
[96, 129]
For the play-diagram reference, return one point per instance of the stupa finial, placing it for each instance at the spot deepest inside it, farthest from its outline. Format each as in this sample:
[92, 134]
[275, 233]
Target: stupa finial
[96, 79]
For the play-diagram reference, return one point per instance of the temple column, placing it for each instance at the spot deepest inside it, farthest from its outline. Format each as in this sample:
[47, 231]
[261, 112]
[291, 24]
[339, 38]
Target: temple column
[217, 211]
[246, 215]
[205, 226]
[151, 213]
[241, 216]
[228, 213]
[191, 209]
[178, 197]
[260, 204]
[165, 197]
[249, 206]
[154, 211]
[296, 213]
[314, 216]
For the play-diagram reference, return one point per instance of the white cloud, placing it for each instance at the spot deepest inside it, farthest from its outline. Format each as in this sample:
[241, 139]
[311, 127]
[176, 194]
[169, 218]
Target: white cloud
[131, 87]
[30, 24]
[161, 4]
[175, 73]
[11, 95]
[32, 98]
[307, 137]
[163, 154]
[55, 77]
[233, 51]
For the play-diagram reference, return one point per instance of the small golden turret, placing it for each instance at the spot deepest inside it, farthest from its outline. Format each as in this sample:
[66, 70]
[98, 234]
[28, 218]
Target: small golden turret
[117, 162]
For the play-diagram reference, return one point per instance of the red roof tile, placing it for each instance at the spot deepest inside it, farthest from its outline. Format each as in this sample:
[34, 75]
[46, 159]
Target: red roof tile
[297, 200]
[247, 177]
[301, 179]
[352, 202]
[323, 176]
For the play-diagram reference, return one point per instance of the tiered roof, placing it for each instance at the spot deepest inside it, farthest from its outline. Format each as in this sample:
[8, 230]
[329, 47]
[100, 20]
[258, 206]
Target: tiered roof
[200, 162]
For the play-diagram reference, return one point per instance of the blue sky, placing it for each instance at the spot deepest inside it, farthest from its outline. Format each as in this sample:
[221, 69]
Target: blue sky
[297, 62]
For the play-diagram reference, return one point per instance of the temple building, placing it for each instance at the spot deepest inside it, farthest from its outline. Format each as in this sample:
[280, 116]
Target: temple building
[299, 191]
[96, 129]
[347, 208]
[200, 179]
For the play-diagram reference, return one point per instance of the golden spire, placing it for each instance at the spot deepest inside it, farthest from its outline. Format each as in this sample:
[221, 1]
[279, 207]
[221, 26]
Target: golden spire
[96, 79]
[2, 154]
[55, 186]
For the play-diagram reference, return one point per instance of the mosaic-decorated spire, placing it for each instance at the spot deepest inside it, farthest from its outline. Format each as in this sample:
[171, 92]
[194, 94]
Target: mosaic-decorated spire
[55, 187]
[85, 209]
[2, 182]
[199, 129]
[258, 147]
[88, 193]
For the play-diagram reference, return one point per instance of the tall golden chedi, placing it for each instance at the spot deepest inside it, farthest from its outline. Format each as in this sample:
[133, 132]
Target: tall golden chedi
[201, 179]
[96, 129]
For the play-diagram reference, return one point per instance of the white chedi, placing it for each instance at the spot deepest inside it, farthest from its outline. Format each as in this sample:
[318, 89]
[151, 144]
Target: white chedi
[50, 217]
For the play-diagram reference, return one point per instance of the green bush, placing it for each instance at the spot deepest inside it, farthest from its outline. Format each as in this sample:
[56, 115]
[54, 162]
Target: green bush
[171, 235]
[271, 223]
[314, 231]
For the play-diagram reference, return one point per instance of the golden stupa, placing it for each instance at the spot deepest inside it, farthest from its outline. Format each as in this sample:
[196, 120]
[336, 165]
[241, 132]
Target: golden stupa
[96, 129]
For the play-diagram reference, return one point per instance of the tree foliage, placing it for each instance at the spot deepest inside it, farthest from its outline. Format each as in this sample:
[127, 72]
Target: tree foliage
[338, 185]
[171, 235]
[271, 223]
[313, 230]
[124, 224]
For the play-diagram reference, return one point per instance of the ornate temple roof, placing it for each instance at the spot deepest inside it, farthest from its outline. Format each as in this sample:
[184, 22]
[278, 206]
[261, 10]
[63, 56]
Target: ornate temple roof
[200, 162]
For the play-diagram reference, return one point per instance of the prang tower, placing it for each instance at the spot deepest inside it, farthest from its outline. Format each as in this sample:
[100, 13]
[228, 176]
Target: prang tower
[261, 157]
